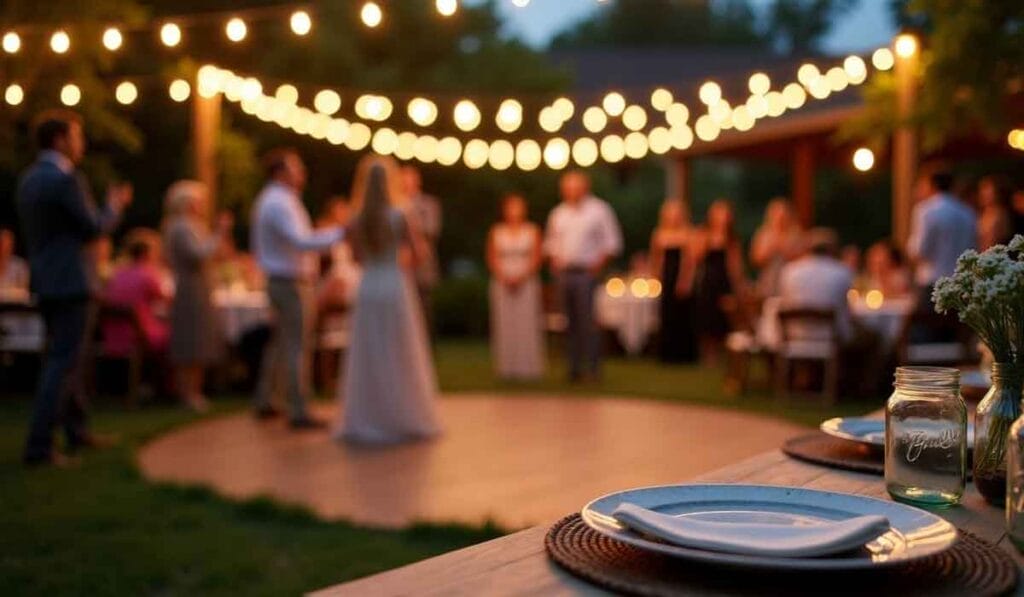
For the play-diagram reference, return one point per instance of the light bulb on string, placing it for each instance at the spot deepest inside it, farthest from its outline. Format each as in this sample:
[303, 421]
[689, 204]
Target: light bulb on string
[883, 59]
[557, 153]
[113, 39]
[70, 95]
[661, 99]
[528, 155]
[710, 93]
[287, 93]
[236, 29]
[759, 84]
[634, 118]
[863, 159]
[905, 45]
[126, 93]
[371, 14]
[11, 42]
[300, 22]
[510, 115]
[446, 8]
[614, 104]
[466, 115]
[60, 42]
[594, 119]
[449, 150]
[422, 111]
[585, 152]
[14, 94]
[327, 102]
[170, 34]
[180, 90]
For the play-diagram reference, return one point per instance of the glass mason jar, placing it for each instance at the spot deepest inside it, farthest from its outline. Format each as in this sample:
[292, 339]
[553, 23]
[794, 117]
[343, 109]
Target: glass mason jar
[926, 437]
[996, 413]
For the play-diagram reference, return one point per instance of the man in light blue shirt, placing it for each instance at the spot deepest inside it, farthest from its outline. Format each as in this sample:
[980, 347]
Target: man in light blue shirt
[285, 245]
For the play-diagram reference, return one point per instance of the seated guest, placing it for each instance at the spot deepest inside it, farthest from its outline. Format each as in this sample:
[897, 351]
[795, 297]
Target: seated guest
[13, 269]
[778, 240]
[995, 224]
[197, 340]
[885, 270]
[139, 286]
[819, 280]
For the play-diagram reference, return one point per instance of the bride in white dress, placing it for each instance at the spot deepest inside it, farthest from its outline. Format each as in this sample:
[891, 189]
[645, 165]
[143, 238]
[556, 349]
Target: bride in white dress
[389, 391]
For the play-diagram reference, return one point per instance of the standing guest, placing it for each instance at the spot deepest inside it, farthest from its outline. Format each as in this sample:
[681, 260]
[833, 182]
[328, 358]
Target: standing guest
[13, 269]
[425, 213]
[197, 340]
[995, 224]
[137, 285]
[514, 256]
[582, 236]
[778, 240]
[885, 270]
[673, 260]
[59, 217]
[285, 246]
[720, 278]
[339, 272]
[941, 228]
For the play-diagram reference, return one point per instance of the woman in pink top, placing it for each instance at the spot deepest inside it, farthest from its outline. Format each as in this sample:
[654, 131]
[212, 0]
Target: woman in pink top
[138, 285]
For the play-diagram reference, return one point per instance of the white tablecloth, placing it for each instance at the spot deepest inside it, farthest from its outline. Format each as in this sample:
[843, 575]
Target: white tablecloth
[887, 320]
[241, 311]
[633, 319]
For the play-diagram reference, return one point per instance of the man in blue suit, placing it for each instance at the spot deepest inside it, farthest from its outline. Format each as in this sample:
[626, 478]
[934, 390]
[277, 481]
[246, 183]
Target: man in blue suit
[59, 218]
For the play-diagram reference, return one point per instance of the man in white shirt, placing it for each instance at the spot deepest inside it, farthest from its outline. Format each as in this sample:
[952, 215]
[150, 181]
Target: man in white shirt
[819, 280]
[582, 236]
[285, 245]
[941, 228]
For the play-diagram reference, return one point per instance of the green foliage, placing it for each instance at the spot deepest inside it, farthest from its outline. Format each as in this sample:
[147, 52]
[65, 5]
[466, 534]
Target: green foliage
[971, 72]
[665, 23]
[799, 25]
[460, 306]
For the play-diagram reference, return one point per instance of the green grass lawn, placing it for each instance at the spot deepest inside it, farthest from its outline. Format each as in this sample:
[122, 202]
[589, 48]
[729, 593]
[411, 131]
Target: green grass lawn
[100, 529]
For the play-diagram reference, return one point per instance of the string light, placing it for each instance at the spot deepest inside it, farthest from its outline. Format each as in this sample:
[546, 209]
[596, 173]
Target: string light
[179, 90]
[11, 42]
[126, 93]
[856, 69]
[613, 149]
[446, 8]
[807, 74]
[634, 118]
[287, 93]
[300, 22]
[449, 150]
[906, 45]
[710, 93]
[614, 104]
[863, 159]
[14, 94]
[112, 39]
[759, 84]
[327, 102]
[170, 34]
[635, 145]
[371, 14]
[661, 99]
[466, 115]
[60, 42]
[1016, 139]
[557, 153]
[528, 155]
[510, 115]
[422, 111]
[501, 155]
[677, 114]
[660, 140]
[594, 119]
[585, 152]
[564, 108]
[549, 119]
[236, 29]
[883, 59]
[70, 95]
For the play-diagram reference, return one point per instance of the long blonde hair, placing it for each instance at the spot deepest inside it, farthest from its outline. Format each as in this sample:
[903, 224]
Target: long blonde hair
[375, 191]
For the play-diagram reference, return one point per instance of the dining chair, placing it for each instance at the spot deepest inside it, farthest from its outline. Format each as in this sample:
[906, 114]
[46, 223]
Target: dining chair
[808, 336]
[930, 338]
[743, 349]
[96, 352]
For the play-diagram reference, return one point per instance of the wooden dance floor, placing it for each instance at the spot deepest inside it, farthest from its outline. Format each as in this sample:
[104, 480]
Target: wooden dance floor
[518, 461]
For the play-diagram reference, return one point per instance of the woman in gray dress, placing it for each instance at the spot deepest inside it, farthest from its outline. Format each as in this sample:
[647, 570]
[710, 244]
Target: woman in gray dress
[196, 336]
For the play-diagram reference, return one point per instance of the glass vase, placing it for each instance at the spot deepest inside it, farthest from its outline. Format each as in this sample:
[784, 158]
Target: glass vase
[996, 414]
[926, 437]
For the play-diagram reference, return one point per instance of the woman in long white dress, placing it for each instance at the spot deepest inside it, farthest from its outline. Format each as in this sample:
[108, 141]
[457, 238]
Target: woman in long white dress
[514, 258]
[389, 391]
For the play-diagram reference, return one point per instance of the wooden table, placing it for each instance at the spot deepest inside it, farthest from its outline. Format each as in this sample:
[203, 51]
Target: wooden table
[518, 565]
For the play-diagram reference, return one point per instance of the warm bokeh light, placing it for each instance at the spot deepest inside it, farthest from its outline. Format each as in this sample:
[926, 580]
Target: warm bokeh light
[820, 88]
[636, 145]
[659, 140]
[327, 102]
[557, 153]
[112, 39]
[720, 111]
[170, 35]
[615, 287]
[60, 42]
[905, 45]
[1016, 139]
[759, 84]
[358, 136]
[639, 288]
[406, 148]
[385, 141]
[287, 93]
[594, 119]
[528, 155]
[883, 59]
[70, 95]
[707, 129]
[475, 154]
[742, 119]
[710, 93]
[422, 111]
[874, 299]
[585, 152]
[856, 69]
[564, 107]
[614, 103]
[14, 94]
[677, 114]
[661, 99]
[794, 96]
[837, 79]
[427, 149]
[373, 107]
[236, 29]
[510, 115]
[502, 155]
[807, 74]
[654, 287]
[180, 90]
[634, 118]
[682, 137]
[126, 93]
[449, 150]
[549, 119]
[758, 106]
[466, 115]
[863, 159]
[371, 14]
[300, 22]
[613, 149]
[447, 8]
[11, 42]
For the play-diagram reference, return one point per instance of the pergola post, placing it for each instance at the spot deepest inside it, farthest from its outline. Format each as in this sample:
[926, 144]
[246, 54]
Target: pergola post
[677, 179]
[904, 148]
[802, 181]
[205, 128]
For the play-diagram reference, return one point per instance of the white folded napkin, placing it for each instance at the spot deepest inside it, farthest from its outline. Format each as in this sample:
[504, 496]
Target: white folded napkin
[755, 539]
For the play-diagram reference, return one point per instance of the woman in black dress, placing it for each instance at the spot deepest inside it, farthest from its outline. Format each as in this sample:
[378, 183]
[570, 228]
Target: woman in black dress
[720, 277]
[672, 259]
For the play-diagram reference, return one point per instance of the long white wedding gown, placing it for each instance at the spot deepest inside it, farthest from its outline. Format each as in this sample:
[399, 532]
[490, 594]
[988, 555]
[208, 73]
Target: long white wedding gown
[389, 391]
